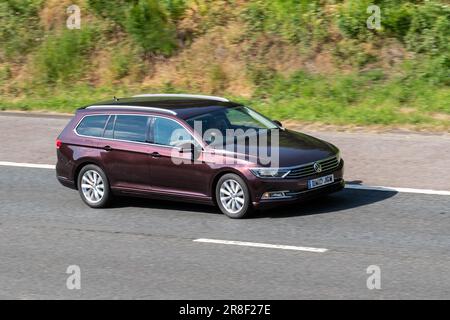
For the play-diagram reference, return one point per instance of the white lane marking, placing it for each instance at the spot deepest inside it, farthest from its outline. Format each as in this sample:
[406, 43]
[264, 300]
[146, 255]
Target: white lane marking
[348, 186]
[27, 165]
[401, 190]
[262, 245]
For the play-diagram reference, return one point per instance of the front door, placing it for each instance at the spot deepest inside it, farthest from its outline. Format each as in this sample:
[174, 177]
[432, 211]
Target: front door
[172, 171]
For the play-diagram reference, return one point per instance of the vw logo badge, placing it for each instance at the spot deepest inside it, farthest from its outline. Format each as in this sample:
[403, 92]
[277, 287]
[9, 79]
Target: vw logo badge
[318, 167]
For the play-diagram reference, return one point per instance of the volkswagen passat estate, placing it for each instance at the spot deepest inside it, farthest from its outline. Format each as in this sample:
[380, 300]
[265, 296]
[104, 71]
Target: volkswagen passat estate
[192, 148]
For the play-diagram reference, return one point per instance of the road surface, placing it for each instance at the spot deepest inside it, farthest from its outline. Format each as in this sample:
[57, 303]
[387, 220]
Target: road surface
[146, 249]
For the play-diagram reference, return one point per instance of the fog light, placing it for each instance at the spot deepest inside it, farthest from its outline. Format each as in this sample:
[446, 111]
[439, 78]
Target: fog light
[275, 195]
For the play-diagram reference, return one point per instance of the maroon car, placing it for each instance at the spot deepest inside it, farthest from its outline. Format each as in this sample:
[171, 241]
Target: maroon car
[192, 148]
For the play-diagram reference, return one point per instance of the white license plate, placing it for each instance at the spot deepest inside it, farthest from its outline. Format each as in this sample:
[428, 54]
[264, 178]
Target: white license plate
[322, 181]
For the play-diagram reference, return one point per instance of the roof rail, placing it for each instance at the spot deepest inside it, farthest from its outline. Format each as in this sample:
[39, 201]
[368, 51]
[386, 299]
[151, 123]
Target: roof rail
[133, 108]
[170, 95]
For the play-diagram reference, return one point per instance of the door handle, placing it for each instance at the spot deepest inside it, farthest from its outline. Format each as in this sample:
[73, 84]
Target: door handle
[155, 155]
[107, 148]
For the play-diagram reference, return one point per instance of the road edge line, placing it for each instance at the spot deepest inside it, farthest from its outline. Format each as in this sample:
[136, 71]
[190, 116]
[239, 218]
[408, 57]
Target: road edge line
[27, 165]
[347, 186]
[400, 190]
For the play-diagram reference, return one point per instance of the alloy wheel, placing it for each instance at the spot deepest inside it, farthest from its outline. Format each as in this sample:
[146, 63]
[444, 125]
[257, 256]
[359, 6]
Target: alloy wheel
[232, 196]
[93, 186]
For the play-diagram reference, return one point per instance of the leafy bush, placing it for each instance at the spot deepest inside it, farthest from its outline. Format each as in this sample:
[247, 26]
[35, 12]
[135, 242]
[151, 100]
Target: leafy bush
[62, 57]
[19, 26]
[397, 19]
[352, 18]
[297, 21]
[115, 12]
[120, 65]
[5, 73]
[430, 29]
[150, 27]
[151, 23]
[175, 8]
[218, 79]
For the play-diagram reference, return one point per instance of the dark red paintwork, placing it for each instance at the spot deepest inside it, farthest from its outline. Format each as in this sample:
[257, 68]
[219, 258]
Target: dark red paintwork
[132, 170]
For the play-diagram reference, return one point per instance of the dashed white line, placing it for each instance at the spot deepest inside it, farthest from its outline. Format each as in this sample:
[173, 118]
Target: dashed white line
[262, 245]
[27, 165]
[348, 186]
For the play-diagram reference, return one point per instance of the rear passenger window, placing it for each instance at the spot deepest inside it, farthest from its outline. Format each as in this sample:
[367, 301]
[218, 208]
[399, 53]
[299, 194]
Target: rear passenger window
[131, 128]
[92, 126]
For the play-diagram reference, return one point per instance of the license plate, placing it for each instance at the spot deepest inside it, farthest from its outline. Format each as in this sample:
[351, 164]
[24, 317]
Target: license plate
[322, 181]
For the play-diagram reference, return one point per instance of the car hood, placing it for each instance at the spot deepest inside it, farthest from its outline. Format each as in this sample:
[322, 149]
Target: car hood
[294, 149]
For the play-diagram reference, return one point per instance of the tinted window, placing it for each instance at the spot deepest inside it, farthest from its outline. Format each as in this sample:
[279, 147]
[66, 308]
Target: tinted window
[131, 128]
[232, 118]
[92, 126]
[169, 133]
[247, 118]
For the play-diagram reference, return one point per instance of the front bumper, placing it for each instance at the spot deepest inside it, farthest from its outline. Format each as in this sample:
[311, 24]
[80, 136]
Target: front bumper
[298, 188]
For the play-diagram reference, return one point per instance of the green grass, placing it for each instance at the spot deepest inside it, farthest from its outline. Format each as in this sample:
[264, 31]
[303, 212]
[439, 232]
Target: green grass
[65, 100]
[364, 99]
[355, 99]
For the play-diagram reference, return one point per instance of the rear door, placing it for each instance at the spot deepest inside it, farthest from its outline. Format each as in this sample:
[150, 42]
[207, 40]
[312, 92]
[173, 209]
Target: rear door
[125, 151]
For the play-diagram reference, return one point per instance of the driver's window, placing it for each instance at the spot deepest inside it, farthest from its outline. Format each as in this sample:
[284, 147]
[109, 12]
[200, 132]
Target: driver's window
[170, 133]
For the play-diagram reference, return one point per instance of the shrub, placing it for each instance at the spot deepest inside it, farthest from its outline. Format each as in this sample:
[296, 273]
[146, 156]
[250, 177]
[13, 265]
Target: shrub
[430, 29]
[297, 21]
[120, 65]
[150, 27]
[19, 26]
[218, 78]
[62, 57]
[397, 19]
[115, 12]
[175, 8]
[5, 73]
[151, 23]
[352, 18]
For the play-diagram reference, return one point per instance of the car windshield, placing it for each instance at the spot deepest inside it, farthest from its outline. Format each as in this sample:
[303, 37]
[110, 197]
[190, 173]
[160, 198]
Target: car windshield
[237, 118]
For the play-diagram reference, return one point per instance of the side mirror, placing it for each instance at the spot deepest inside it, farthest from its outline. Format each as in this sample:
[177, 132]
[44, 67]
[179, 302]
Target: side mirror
[189, 147]
[278, 123]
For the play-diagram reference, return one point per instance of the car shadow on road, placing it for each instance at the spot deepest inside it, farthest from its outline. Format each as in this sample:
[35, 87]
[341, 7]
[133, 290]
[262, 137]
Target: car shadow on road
[134, 202]
[343, 200]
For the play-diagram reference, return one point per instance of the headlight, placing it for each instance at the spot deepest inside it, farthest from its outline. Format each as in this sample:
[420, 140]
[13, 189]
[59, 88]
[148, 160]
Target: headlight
[338, 157]
[270, 172]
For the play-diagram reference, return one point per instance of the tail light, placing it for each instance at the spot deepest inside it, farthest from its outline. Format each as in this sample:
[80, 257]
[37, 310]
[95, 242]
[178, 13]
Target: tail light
[58, 143]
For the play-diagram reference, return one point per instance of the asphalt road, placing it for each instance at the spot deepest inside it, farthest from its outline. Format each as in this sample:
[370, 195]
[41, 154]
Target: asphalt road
[144, 249]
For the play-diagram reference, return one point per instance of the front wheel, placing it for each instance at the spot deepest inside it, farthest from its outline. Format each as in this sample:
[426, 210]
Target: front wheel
[93, 187]
[233, 197]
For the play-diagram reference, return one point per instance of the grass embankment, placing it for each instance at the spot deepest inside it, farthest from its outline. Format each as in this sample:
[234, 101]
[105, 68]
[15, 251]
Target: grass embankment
[307, 61]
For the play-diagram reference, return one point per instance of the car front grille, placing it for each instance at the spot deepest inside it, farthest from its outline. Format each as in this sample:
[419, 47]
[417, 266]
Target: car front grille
[328, 164]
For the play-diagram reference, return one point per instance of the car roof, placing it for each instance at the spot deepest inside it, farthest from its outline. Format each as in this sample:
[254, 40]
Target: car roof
[183, 106]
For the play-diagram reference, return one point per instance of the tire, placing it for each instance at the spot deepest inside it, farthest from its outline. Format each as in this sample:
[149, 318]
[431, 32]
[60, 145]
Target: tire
[229, 189]
[95, 177]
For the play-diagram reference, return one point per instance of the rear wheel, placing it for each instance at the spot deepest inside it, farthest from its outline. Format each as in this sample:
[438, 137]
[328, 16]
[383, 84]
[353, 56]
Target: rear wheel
[233, 197]
[93, 186]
